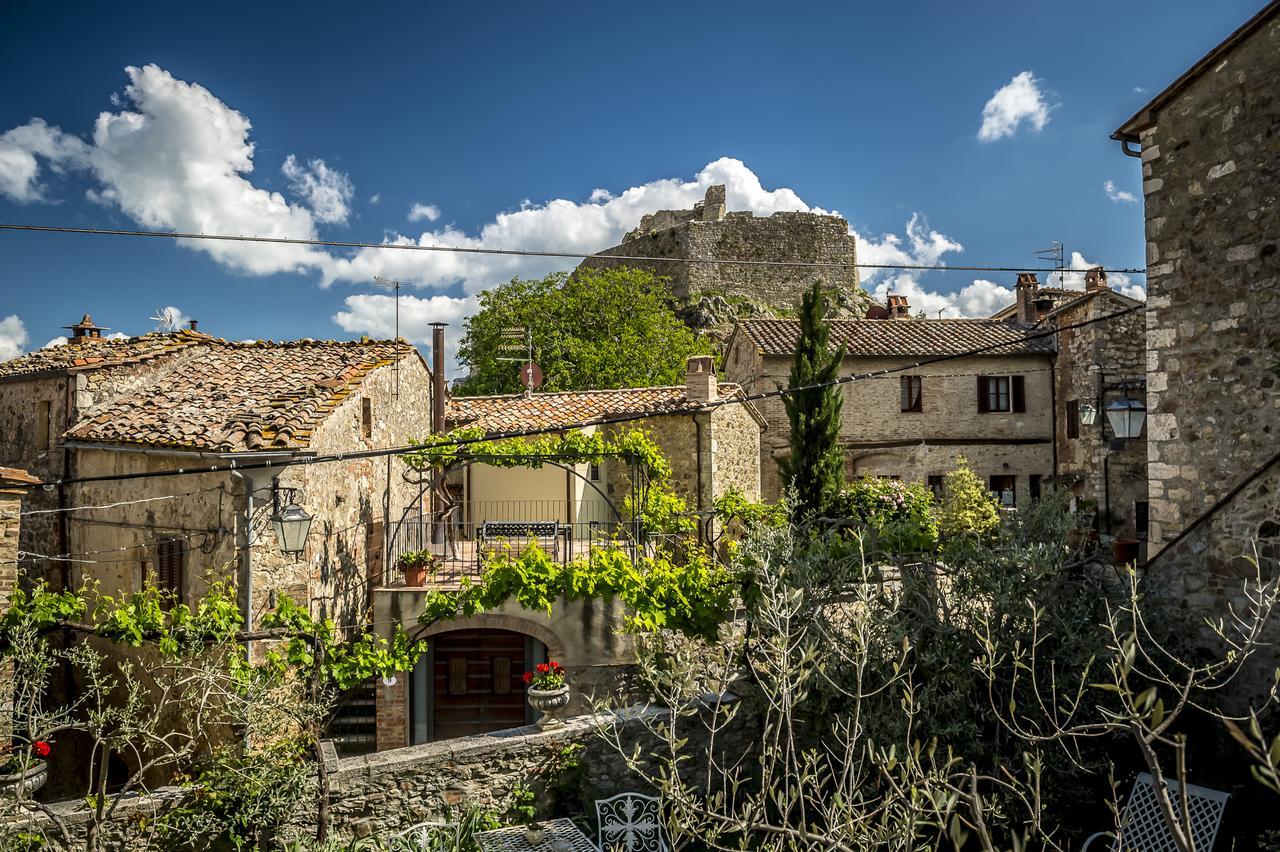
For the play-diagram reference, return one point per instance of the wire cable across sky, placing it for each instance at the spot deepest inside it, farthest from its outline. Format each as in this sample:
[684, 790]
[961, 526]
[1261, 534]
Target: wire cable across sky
[233, 465]
[352, 244]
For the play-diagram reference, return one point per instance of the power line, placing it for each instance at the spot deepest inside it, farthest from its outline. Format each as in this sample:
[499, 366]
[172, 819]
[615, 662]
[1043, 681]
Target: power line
[180, 235]
[118, 504]
[581, 424]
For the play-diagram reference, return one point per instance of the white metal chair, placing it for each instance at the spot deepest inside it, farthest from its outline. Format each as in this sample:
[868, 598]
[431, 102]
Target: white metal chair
[630, 822]
[1142, 826]
[426, 837]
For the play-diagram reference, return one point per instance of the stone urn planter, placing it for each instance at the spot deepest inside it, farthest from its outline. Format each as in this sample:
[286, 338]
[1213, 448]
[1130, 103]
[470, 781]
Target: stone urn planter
[549, 702]
[30, 781]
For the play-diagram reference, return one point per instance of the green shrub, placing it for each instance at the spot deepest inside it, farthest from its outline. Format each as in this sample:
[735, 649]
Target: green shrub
[902, 515]
[968, 511]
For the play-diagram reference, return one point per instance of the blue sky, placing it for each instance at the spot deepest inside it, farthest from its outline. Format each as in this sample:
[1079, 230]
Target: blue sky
[503, 121]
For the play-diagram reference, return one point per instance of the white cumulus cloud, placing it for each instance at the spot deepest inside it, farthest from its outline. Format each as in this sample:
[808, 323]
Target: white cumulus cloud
[23, 148]
[326, 191]
[418, 212]
[13, 337]
[1119, 196]
[1074, 279]
[1018, 101]
[374, 315]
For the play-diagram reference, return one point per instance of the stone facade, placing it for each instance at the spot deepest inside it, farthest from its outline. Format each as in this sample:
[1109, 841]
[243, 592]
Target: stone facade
[880, 439]
[1211, 174]
[1096, 365]
[708, 232]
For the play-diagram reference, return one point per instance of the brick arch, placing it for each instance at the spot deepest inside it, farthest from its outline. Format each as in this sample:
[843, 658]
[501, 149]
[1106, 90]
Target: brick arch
[856, 457]
[500, 621]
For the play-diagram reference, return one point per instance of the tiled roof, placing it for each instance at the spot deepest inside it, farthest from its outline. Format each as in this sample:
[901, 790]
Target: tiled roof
[232, 397]
[902, 337]
[1083, 298]
[550, 410]
[16, 476]
[98, 352]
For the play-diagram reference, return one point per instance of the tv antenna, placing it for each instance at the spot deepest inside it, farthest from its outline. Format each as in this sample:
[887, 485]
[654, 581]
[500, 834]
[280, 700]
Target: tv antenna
[167, 319]
[515, 340]
[379, 281]
[1055, 253]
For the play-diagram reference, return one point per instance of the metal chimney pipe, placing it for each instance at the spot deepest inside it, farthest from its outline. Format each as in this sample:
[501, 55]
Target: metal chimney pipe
[438, 390]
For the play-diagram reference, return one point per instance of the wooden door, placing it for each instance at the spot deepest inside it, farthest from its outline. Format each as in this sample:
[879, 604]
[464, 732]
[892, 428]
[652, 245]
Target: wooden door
[476, 682]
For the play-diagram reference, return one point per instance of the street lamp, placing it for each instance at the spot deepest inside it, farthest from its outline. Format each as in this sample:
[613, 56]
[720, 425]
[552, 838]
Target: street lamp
[1126, 417]
[1088, 414]
[292, 523]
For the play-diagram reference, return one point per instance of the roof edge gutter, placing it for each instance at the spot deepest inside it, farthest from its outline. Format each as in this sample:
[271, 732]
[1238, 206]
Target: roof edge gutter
[263, 455]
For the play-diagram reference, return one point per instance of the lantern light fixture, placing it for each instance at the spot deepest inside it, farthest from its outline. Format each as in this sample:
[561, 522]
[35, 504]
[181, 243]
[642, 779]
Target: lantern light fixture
[1088, 414]
[1126, 417]
[291, 523]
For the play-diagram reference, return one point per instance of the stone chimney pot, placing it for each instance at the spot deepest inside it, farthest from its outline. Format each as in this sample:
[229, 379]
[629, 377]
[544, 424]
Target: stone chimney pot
[700, 379]
[1095, 279]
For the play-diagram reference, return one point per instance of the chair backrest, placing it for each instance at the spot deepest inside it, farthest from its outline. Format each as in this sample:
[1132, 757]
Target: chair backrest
[426, 837]
[1143, 826]
[630, 822]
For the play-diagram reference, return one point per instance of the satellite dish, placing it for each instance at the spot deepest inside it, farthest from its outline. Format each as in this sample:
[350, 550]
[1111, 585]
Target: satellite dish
[531, 376]
[167, 319]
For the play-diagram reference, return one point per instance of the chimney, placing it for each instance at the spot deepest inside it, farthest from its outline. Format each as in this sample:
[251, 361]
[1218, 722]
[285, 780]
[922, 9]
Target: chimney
[1025, 295]
[898, 307]
[84, 331]
[1095, 279]
[700, 380]
[438, 392]
[191, 324]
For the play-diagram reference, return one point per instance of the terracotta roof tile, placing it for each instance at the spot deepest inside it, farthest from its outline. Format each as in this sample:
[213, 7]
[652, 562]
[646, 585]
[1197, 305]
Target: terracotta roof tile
[233, 397]
[99, 352]
[901, 337]
[550, 410]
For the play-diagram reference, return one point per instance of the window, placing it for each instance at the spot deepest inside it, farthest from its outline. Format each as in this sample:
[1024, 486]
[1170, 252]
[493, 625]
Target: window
[171, 565]
[935, 485]
[366, 417]
[1034, 483]
[43, 424]
[593, 471]
[1141, 517]
[1005, 490]
[1073, 418]
[912, 398]
[1001, 393]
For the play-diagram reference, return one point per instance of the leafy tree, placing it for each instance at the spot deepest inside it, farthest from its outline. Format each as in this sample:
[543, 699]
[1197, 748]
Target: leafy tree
[968, 510]
[815, 468]
[597, 328]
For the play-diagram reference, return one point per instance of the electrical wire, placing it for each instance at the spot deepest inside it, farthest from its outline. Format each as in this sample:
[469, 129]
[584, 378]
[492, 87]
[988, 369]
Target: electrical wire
[180, 235]
[118, 504]
[737, 399]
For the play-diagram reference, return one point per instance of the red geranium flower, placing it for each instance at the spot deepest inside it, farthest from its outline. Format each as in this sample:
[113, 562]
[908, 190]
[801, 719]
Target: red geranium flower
[528, 676]
[41, 748]
[543, 668]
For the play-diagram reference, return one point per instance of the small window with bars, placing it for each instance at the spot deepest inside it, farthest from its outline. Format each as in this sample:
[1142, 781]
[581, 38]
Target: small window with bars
[366, 417]
[912, 395]
[171, 566]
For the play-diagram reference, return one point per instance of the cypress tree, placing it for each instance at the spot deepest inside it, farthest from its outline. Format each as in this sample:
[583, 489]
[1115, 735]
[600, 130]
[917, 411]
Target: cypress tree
[816, 466]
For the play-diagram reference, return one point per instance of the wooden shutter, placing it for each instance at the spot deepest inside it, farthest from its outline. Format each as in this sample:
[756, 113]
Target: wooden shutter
[1073, 418]
[1019, 393]
[983, 402]
[170, 565]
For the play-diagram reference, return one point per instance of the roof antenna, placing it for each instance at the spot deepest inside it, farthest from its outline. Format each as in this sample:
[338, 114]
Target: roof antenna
[1054, 252]
[514, 340]
[394, 285]
[168, 320]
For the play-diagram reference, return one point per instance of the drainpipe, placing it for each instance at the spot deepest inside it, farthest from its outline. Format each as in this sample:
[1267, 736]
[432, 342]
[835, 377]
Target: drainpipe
[438, 397]
[246, 560]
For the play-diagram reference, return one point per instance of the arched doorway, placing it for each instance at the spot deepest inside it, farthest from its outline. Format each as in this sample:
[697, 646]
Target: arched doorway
[469, 682]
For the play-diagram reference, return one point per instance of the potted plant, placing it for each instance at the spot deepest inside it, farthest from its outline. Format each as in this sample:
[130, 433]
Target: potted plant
[1125, 549]
[548, 691]
[524, 808]
[417, 565]
[29, 771]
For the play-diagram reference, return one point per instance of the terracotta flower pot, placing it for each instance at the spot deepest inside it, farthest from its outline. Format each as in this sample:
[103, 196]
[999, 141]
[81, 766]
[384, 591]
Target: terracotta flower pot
[415, 575]
[549, 702]
[31, 780]
[1125, 550]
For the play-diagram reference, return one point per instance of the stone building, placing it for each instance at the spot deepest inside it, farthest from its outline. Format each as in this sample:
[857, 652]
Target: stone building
[677, 244]
[468, 681]
[142, 406]
[1210, 159]
[1095, 365]
[14, 488]
[994, 409]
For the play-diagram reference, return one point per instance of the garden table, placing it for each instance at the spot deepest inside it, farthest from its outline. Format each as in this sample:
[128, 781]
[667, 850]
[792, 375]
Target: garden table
[562, 836]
